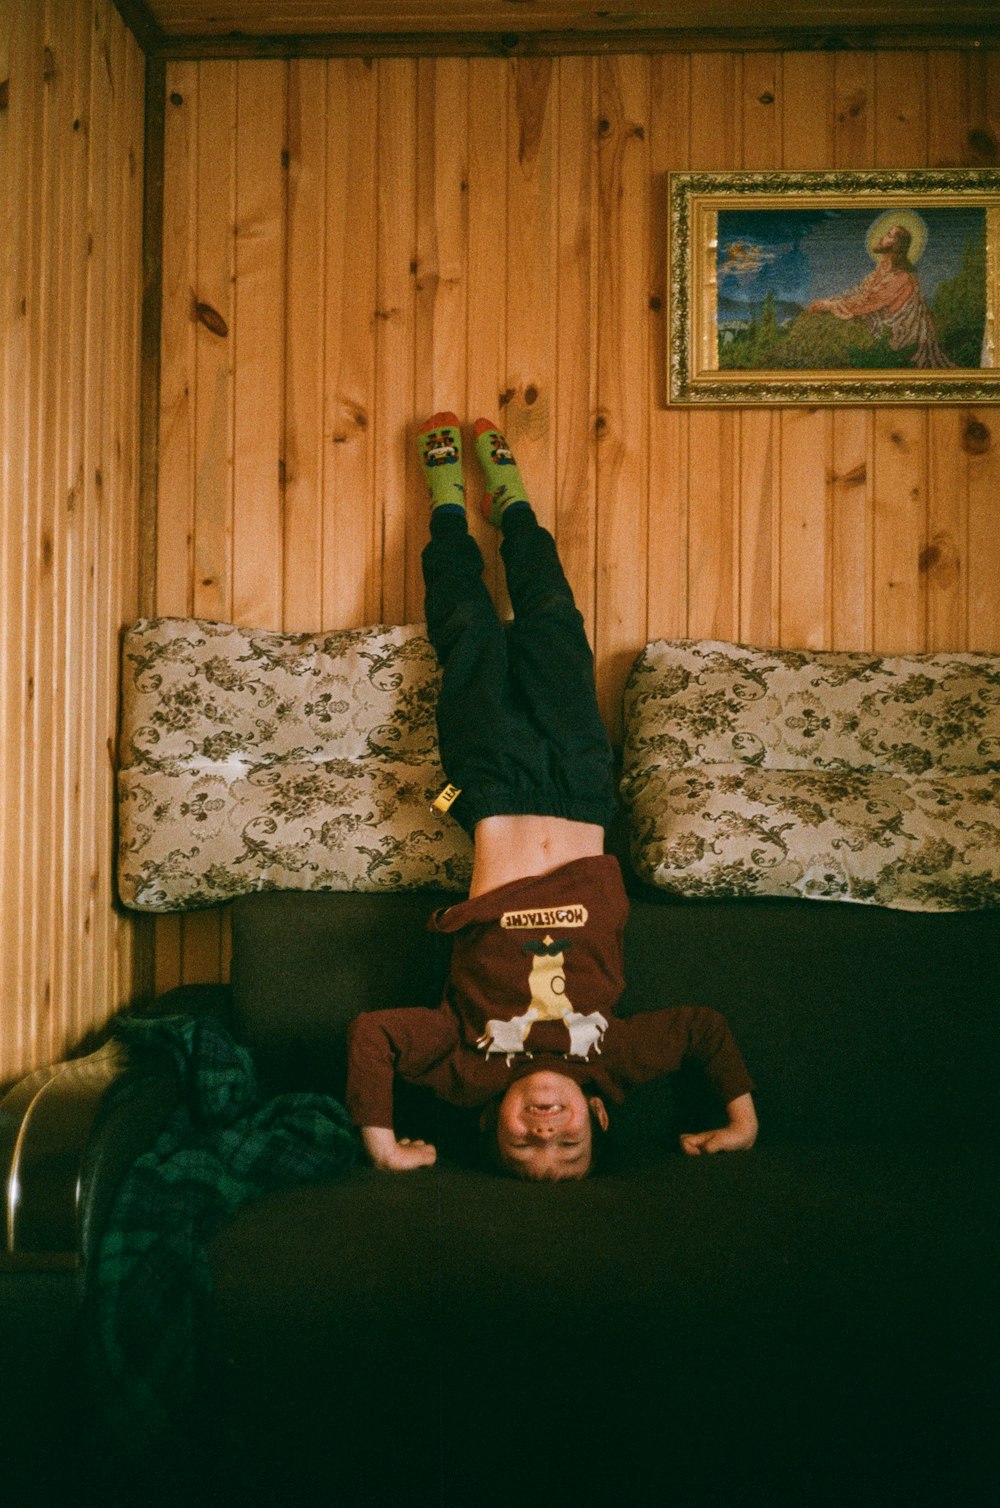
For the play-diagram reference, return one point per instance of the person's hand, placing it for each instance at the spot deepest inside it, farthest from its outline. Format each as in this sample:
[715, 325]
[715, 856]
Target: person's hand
[393, 1156]
[738, 1136]
[725, 1139]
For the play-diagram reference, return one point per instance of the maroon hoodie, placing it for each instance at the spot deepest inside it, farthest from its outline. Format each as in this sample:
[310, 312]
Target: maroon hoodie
[536, 973]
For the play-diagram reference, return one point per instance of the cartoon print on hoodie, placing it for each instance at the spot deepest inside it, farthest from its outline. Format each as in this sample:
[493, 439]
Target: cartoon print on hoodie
[548, 1002]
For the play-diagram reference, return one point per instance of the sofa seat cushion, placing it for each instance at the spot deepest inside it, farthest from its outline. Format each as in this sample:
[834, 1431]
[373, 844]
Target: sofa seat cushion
[254, 760]
[798, 1325]
[827, 776]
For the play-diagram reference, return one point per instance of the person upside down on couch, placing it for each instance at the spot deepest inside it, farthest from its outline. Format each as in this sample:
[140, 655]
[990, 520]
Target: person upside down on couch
[526, 1029]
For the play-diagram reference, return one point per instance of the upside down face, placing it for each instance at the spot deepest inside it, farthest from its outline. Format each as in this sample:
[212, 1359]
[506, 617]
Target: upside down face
[545, 1127]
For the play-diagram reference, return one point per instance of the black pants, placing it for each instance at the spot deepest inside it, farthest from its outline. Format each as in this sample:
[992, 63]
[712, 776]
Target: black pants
[518, 722]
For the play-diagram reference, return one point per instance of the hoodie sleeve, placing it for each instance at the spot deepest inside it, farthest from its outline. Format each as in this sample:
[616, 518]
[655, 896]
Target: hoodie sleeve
[382, 1044]
[654, 1043]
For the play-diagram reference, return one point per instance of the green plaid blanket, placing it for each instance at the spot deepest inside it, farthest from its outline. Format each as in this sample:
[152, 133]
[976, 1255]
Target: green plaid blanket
[149, 1298]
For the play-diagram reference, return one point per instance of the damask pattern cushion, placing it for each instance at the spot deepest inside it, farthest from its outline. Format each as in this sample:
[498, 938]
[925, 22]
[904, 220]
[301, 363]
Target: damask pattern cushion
[826, 775]
[258, 760]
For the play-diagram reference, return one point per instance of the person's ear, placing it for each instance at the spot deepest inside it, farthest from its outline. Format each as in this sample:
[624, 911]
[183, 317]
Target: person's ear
[600, 1113]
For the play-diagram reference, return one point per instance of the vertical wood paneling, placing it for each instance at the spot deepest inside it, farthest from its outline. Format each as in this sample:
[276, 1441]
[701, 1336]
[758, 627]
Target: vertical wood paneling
[488, 235]
[215, 342]
[62, 26]
[571, 425]
[899, 601]
[24, 398]
[259, 343]
[713, 495]
[532, 239]
[760, 456]
[486, 367]
[943, 560]
[900, 468]
[851, 462]
[304, 350]
[133, 942]
[70, 285]
[981, 441]
[177, 481]
[669, 481]
[350, 584]
[178, 327]
[982, 433]
[441, 314]
[86, 500]
[397, 191]
[215, 294]
[622, 376]
[110, 535]
[13, 1023]
[46, 668]
[803, 529]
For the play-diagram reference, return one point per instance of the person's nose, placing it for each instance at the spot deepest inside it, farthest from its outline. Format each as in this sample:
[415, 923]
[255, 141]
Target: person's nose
[543, 1132]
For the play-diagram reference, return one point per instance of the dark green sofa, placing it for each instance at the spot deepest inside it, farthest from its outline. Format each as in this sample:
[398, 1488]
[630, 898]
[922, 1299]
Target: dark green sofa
[813, 1323]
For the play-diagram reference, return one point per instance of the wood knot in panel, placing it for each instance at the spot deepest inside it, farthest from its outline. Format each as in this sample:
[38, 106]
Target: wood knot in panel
[939, 561]
[205, 314]
[855, 106]
[983, 146]
[976, 437]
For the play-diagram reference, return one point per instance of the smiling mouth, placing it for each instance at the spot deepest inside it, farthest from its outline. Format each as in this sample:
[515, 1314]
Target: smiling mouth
[544, 1109]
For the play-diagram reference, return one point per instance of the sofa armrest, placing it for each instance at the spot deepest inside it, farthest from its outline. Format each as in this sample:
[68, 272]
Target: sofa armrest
[68, 1132]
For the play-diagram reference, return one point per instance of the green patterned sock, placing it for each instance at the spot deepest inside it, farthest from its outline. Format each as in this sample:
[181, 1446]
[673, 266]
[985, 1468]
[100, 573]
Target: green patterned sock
[439, 444]
[505, 489]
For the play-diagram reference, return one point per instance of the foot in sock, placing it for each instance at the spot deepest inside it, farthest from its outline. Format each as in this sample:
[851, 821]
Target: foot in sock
[505, 489]
[439, 445]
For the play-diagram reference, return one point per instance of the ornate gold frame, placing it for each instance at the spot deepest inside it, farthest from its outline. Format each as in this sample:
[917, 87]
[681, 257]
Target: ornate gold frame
[695, 201]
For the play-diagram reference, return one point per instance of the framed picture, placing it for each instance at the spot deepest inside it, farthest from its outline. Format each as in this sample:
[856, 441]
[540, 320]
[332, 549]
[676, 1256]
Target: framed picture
[834, 287]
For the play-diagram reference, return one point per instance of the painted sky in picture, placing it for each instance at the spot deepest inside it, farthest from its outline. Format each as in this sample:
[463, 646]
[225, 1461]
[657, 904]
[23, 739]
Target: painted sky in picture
[809, 254]
[795, 287]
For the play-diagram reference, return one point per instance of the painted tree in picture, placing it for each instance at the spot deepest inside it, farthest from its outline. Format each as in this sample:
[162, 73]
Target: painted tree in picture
[839, 289]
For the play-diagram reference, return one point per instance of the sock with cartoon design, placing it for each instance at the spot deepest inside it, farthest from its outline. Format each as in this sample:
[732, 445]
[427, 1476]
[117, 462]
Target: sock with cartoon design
[439, 445]
[505, 489]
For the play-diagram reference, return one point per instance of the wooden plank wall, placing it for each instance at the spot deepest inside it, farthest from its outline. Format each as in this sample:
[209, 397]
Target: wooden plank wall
[71, 148]
[377, 240]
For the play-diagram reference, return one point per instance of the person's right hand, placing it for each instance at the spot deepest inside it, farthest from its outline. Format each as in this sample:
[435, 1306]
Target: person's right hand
[393, 1156]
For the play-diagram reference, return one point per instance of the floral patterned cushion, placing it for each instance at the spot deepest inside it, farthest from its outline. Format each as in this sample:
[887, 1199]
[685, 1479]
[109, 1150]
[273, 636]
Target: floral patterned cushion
[826, 775]
[258, 760]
